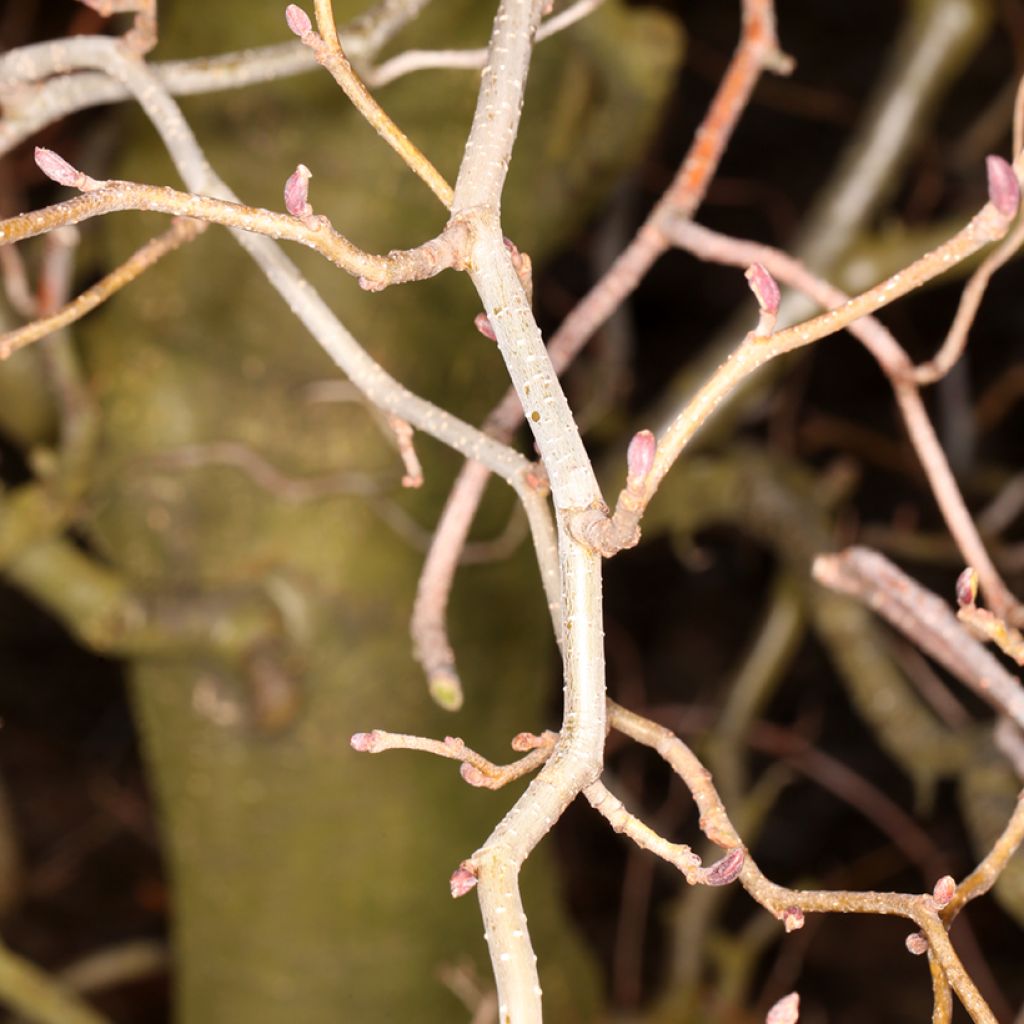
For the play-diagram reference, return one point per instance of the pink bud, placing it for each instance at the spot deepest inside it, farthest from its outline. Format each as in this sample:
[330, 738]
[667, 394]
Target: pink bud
[640, 456]
[524, 741]
[472, 775]
[364, 742]
[785, 1011]
[296, 191]
[727, 869]
[944, 891]
[483, 325]
[298, 20]
[792, 919]
[1003, 186]
[765, 290]
[967, 588]
[57, 169]
[463, 880]
[917, 943]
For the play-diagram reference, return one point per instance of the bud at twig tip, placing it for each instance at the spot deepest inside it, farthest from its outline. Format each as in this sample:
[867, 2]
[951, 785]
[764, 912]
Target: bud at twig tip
[364, 742]
[765, 290]
[296, 192]
[640, 456]
[944, 891]
[445, 691]
[967, 588]
[785, 1011]
[1003, 186]
[57, 169]
[298, 20]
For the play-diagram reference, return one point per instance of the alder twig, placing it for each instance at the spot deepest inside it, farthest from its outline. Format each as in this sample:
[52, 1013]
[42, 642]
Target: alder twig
[896, 365]
[925, 619]
[326, 48]
[757, 50]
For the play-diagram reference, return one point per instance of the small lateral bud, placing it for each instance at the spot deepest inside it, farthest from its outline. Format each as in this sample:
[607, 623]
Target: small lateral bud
[792, 919]
[298, 20]
[463, 880]
[765, 290]
[640, 456]
[785, 1011]
[1003, 186]
[57, 169]
[472, 775]
[296, 191]
[944, 891]
[364, 742]
[917, 944]
[483, 325]
[523, 742]
[727, 869]
[967, 588]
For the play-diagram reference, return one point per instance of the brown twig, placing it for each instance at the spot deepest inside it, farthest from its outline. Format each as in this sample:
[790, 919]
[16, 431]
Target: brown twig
[182, 230]
[326, 48]
[924, 618]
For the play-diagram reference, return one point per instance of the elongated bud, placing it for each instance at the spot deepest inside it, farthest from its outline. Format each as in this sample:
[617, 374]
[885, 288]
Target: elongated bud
[296, 192]
[765, 290]
[1003, 186]
[967, 588]
[57, 169]
[785, 1011]
[298, 20]
[944, 891]
[463, 880]
[640, 457]
[727, 869]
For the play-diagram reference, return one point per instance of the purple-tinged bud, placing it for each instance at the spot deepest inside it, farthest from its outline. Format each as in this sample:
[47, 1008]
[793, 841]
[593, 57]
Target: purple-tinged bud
[727, 869]
[525, 741]
[967, 588]
[944, 891]
[1003, 186]
[917, 943]
[57, 169]
[298, 20]
[296, 192]
[785, 1011]
[765, 290]
[792, 919]
[483, 325]
[640, 456]
[364, 742]
[472, 775]
[463, 880]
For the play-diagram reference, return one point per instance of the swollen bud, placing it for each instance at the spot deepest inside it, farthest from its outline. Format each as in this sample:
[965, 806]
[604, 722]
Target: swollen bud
[640, 457]
[785, 1011]
[57, 169]
[945, 889]
[463, 880]
[727, 869]
[483, 325]
[1003, 186]
[792, 919]
[296, 190]
[298, 20]
[364, 742]
[765, 290]
[917, 943]
[967, 588]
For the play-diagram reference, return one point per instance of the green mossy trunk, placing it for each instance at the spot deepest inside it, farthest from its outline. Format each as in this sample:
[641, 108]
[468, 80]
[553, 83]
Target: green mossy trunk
[309, 882]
